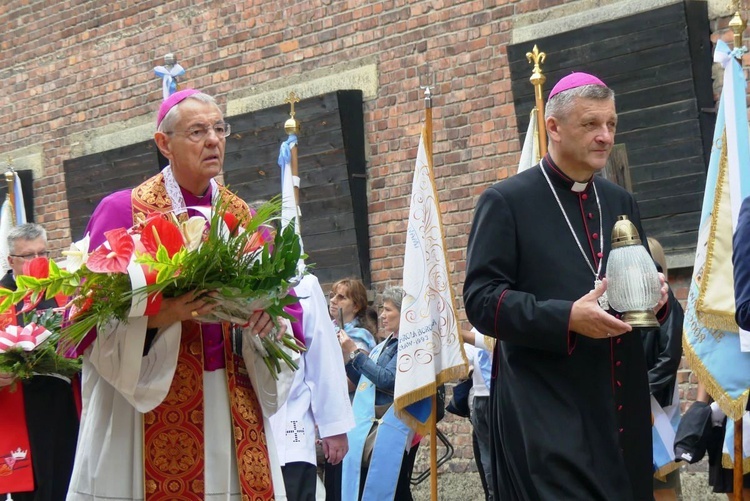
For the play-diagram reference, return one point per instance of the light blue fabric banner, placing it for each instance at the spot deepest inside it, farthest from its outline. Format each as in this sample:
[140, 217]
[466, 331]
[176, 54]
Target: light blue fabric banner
[715, 355]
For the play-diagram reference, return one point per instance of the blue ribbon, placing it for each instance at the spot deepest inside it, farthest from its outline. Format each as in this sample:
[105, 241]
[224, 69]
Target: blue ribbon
[169, 78]
[285, 153]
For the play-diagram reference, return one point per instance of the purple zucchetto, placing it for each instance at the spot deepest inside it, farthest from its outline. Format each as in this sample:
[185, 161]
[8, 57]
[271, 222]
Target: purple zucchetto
[574, 80]
[173, 101]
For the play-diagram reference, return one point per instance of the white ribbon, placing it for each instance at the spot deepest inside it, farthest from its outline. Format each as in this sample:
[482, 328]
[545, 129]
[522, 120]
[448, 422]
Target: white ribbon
[139, 301]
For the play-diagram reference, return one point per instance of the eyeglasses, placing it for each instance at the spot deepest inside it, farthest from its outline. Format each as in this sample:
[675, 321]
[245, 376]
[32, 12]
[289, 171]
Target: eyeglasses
[197, 133]
[31, 255]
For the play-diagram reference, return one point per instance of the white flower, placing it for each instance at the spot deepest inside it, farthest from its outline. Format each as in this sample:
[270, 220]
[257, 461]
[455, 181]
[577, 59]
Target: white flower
[192, 232]
[78, 254]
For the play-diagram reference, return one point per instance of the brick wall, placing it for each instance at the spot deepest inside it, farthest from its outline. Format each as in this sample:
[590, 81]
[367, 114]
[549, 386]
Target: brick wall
[72, 68]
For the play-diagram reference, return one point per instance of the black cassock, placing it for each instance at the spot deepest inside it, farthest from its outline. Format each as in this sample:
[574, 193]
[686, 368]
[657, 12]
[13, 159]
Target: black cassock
[572, 414]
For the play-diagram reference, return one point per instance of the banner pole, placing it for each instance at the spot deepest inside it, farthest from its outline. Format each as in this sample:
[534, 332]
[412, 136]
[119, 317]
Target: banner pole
[292, 126]
[433, 450]
[433, 413]
[738, 25]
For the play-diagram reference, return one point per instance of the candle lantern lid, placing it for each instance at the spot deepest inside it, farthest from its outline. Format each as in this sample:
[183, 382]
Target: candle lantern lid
[625, 233]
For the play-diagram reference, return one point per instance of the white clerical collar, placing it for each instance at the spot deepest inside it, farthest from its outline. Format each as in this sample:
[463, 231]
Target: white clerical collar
[579, 187]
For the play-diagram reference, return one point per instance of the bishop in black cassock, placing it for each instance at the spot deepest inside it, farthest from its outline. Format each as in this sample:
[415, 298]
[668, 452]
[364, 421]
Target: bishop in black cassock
[570, 398]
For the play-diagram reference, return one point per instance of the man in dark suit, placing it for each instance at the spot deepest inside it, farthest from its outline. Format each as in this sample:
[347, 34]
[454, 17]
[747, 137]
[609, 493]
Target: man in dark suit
[51, 412]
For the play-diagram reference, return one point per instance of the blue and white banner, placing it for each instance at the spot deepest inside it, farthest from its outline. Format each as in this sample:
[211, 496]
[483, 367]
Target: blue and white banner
[711, 336]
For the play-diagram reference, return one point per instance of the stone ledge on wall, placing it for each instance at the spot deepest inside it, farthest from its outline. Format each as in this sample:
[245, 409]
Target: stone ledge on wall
[111, 136]
[575, 15]
[27, 158]
[361, 76]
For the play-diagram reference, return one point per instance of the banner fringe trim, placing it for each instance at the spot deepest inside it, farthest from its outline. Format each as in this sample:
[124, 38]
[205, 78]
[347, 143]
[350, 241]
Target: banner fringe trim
[733, 408]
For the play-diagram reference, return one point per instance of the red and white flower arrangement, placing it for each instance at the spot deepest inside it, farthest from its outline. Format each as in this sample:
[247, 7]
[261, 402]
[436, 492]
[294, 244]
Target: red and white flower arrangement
[244, 265]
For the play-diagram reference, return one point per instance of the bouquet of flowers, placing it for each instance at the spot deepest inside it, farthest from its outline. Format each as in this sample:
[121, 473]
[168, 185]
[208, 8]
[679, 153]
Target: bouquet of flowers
[32, 349]
[244, 265]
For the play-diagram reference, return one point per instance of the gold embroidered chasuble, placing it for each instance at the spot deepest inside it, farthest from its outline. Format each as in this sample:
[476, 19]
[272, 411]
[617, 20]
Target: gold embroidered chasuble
[174, 454]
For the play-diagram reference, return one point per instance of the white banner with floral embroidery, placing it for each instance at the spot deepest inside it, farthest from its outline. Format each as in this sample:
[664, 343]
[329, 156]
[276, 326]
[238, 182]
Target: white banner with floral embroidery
[430, 350]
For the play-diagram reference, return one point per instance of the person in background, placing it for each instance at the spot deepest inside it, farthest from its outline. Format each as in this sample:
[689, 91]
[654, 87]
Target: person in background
[481, 349]
[663, 349]
[349, 311]
[318, 398]
[375, 372]
[49, 400]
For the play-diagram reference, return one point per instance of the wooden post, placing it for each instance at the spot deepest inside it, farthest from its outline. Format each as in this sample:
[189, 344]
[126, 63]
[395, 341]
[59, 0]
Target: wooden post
[738, 484]
[433, 450]
[617, 169]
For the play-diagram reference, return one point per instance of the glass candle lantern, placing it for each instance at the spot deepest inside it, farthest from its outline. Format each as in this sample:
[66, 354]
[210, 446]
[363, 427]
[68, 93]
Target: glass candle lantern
[633, 286]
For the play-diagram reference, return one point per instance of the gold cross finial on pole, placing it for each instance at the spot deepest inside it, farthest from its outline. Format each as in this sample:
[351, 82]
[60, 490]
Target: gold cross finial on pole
[291, 126]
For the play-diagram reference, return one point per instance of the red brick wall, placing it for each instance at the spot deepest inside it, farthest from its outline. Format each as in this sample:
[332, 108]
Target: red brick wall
[70, 66]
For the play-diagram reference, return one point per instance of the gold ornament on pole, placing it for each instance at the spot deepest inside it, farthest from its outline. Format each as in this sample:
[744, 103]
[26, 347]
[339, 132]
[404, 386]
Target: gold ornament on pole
[537, 79]
[292, 127]
[737, 24]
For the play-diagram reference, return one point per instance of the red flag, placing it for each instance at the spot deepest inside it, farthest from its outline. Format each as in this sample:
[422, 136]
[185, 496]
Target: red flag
[16, 474]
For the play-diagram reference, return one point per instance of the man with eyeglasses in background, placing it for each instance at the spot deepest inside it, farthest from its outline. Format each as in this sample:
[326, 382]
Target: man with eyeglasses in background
[48, 400]
[172, 409]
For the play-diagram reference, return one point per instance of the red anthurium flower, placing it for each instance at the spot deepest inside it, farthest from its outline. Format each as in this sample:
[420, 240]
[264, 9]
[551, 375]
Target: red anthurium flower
[116, 258]
[77, 309]
[232, 222]
[255, 242]
[158, 231]
[28, 304]
[37, 267]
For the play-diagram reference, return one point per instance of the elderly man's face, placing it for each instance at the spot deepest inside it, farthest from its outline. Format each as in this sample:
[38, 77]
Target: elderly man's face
[25, 250]
[585, 137]
[195, 163]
